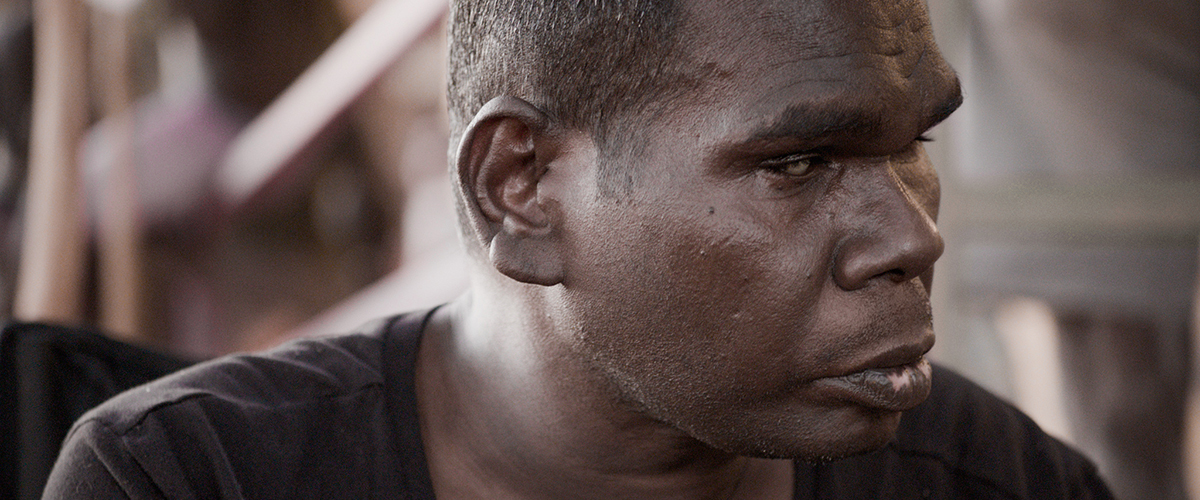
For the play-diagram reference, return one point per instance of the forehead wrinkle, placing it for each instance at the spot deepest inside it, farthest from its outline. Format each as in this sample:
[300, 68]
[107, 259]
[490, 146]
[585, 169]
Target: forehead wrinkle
[818, 73]
[892, 64]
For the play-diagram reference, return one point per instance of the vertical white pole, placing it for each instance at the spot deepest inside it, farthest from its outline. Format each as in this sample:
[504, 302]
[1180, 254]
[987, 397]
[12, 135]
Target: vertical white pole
[49, 282]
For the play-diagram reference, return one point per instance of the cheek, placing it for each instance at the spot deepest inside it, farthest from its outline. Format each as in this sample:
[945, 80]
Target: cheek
[725, 297]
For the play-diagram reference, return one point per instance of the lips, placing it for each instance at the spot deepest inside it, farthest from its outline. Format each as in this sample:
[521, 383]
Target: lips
[896, 388]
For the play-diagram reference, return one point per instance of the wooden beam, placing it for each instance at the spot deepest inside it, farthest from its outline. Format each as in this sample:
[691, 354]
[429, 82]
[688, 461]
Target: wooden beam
[358, 59]
[50, 278]
[1124, 211]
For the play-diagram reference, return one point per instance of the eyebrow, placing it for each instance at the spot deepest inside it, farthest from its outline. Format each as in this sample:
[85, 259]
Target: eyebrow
[810, 122]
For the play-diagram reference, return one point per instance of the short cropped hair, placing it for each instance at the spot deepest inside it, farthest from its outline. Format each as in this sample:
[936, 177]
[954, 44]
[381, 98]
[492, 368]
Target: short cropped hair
[592, 65]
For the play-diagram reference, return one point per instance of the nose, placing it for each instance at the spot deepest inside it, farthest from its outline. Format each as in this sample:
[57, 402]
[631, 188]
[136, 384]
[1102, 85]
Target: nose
[890, 234]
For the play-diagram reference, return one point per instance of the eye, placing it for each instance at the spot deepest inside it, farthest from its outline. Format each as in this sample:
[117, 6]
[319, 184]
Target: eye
[798, 165]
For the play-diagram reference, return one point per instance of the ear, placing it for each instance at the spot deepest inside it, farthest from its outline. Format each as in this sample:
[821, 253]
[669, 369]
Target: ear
[502, 156]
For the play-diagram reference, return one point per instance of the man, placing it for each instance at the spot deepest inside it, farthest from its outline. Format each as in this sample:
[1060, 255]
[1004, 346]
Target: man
[702, 235]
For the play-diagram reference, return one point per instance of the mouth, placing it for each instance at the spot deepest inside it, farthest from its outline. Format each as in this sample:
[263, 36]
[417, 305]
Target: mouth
[896, 381]
[896, 388]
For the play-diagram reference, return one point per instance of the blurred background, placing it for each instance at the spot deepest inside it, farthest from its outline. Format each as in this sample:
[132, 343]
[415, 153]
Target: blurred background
[207, 177]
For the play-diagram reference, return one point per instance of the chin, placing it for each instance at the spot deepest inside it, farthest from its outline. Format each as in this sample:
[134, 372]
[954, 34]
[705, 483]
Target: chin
[836, 437]
[867, 440]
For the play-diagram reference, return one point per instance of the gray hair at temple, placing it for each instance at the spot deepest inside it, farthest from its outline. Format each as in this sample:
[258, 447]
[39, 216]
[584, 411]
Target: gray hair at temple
[601, 66]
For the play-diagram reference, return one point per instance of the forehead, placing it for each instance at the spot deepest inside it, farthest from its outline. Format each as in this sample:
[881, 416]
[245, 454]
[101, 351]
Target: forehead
[813, 23]
[819, 67]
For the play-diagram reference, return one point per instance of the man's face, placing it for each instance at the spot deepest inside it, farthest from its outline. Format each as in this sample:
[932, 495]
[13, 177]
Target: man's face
[764, 285]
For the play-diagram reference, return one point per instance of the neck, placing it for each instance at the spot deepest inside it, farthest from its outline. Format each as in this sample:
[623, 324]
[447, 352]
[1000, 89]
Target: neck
[509, 412]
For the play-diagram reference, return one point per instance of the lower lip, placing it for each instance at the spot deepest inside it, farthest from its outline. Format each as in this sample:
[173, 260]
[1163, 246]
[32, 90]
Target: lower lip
[897, 388]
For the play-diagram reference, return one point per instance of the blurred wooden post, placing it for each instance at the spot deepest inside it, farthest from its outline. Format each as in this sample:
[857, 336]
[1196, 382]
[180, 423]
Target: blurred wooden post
[119, 232]
[50, 278]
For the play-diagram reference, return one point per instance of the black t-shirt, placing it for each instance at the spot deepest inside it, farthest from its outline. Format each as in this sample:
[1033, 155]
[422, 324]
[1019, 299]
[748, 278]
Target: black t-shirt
[336, 417]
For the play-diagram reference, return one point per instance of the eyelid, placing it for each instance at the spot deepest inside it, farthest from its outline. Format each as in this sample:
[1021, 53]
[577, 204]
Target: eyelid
[778, 164]
[785, 159]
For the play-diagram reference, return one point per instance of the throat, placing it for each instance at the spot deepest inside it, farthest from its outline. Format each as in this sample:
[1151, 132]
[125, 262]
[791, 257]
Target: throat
[493, 435]
[767, 479]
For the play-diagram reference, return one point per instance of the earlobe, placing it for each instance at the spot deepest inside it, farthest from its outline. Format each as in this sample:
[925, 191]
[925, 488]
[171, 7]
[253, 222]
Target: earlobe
[501, 160]
[529, 260]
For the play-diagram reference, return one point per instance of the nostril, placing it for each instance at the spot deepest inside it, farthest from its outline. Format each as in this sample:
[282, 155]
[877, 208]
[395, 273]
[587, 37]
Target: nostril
[897, 275]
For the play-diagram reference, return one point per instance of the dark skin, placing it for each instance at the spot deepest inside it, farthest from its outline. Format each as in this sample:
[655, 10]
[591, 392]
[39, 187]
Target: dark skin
[760, 293]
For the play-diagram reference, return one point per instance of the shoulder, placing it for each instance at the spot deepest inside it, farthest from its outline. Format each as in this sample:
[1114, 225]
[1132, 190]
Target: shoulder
[298, 372]
[964, 442]
[309, 417]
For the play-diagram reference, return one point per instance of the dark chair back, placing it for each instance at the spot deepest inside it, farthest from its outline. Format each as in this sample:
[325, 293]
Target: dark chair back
[49, 377]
